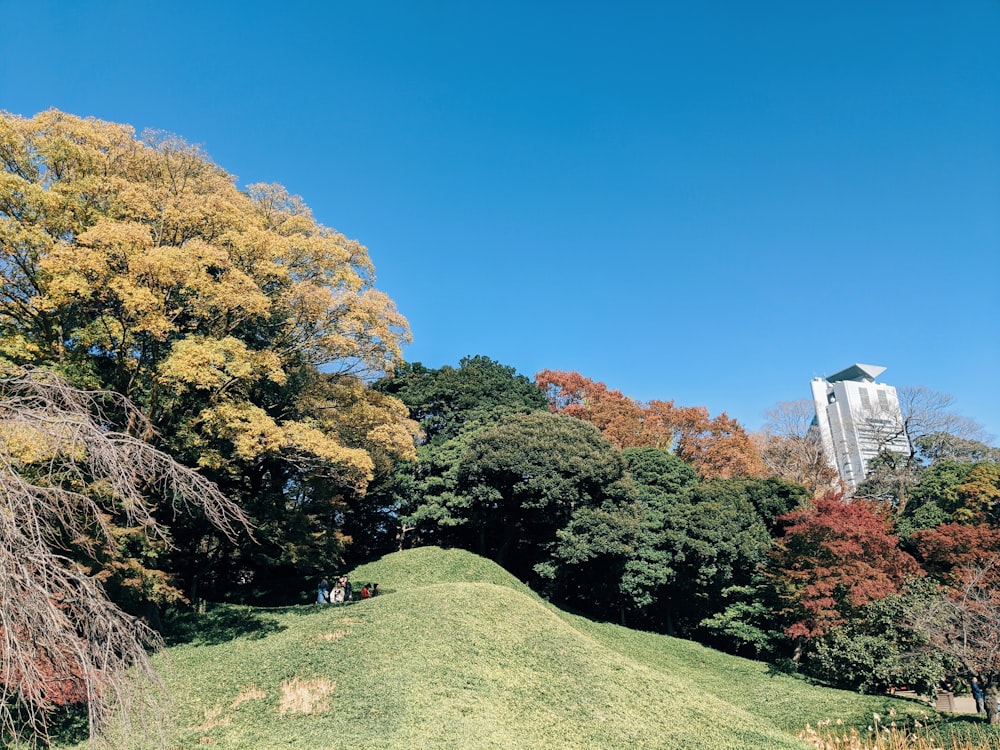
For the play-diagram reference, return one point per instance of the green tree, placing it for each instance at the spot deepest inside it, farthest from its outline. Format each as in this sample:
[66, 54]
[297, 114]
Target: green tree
[505, 489]
[951, 491]
[878, 648]
[445, 400]
[408, 501]
[696, 565]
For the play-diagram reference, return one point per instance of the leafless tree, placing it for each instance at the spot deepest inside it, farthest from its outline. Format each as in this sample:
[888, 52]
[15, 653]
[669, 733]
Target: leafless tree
[905, 439]
[964, 624]
[926, 412]
[64, 470]
[791, 447]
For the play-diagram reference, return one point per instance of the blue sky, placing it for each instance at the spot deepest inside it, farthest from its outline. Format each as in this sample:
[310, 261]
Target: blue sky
[705, 202]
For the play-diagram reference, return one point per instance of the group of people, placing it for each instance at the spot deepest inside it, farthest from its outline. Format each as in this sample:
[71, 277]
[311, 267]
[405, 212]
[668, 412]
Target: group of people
[342, 591]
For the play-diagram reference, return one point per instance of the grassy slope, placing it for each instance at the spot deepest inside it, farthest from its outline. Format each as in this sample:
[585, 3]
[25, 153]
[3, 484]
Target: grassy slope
[458, 654]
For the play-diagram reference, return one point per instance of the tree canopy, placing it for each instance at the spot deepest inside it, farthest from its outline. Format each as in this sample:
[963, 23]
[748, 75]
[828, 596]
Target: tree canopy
[719, 447]
[136, 264]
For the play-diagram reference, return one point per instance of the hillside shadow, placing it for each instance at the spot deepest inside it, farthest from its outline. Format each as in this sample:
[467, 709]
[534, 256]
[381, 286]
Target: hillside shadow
[218, 624]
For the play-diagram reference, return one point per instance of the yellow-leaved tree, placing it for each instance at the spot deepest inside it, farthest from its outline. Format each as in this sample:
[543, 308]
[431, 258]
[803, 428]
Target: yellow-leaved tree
[244, 330]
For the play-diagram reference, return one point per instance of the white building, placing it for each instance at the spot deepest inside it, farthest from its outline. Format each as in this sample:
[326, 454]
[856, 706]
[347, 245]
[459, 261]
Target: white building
[857, 419]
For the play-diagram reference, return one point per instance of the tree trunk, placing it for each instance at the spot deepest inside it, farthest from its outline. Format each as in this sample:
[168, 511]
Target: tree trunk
[797, 653]
[992, 716]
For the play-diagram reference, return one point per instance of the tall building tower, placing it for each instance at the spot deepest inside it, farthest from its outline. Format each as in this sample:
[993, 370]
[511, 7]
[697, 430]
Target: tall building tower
[857, 419]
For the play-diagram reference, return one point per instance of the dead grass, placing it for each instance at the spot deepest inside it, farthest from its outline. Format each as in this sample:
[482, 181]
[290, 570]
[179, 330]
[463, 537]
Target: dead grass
[882, 736]
[305, 696]
[336, 635]
[249, 693]
[214, 718]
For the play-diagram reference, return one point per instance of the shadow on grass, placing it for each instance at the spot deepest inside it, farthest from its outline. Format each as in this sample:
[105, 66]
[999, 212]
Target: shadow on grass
[218, 624]
[64, 726]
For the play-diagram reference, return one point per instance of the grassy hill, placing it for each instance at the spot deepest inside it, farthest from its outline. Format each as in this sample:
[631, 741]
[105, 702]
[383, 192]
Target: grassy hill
[458, 654]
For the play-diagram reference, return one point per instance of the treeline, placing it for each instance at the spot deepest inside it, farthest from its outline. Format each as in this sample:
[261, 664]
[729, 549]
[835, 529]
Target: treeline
[663, 518]
[236, 335]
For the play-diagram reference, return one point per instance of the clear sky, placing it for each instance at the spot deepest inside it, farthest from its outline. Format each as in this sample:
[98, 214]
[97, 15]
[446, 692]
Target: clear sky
[709, 202]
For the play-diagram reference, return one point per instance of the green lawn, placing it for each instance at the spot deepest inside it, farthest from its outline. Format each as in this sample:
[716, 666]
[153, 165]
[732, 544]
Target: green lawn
[458, 654]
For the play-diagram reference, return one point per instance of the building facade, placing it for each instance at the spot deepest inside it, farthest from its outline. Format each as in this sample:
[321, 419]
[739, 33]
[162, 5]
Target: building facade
[857, 419]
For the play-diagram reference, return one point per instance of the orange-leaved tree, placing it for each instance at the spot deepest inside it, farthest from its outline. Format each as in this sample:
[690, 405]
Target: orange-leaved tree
[718, 448]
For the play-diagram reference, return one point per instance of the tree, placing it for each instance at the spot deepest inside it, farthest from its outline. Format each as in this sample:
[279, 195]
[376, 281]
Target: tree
[503, 490]
[588, 559]
[952, 491]
[929, 413]
[942, 446]
[949, 550]
[699, 548]
[659, 479]
[878, 647]
[448, 404]
[65, 473]
[620, 419]
[933, 430]
[791, 448]
[137, 265]
[717, 448]
[963, 623]
[833, 558]
[443, 401]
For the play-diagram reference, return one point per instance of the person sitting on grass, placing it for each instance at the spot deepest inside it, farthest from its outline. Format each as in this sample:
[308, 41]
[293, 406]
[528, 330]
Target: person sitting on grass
[366, 592]
[323, 592]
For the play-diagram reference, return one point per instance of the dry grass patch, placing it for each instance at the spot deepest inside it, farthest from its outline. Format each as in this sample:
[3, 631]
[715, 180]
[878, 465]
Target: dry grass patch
[249, 693]
[305, 696]
[881, 736]
[214, 718]
[336, 635]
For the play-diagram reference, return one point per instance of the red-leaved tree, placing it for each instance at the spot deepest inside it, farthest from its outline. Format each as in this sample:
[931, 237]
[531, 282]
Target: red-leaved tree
[948, 551]
[833, 558]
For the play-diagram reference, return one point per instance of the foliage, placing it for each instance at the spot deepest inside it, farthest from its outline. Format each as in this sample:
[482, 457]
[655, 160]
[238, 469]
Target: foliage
[657, 474]
[952, 491]
[699, 552]
[833, 558]
[946, 551]
[444, 401]
[878, 649]
[64, 473]
[137, 265]
[717, 448]
[515, 483]
[590, 556]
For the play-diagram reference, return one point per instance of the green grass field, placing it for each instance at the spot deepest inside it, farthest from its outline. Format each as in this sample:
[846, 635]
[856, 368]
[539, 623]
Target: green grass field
[457, 654]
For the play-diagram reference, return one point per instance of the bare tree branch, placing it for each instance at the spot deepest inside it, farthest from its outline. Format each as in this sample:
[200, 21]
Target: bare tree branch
[64, 470]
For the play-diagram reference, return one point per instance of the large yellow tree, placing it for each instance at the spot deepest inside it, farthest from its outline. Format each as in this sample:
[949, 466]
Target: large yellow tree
[138, 265]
